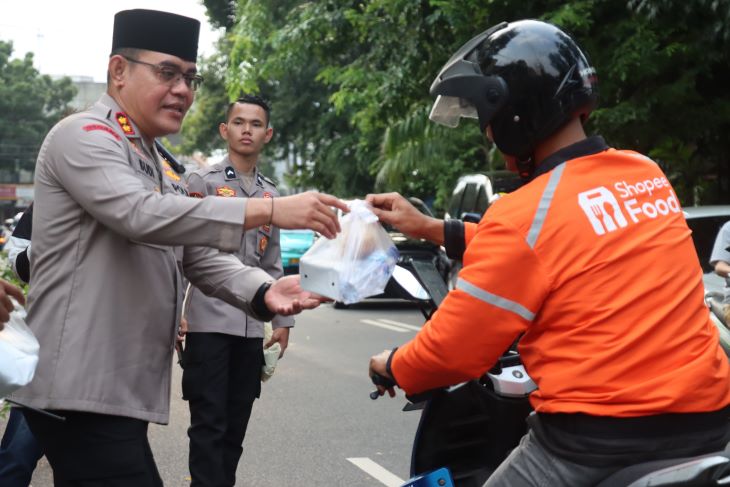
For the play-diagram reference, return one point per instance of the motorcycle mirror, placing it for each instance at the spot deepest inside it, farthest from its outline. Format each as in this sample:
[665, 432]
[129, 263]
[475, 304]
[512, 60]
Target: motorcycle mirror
[409, 283]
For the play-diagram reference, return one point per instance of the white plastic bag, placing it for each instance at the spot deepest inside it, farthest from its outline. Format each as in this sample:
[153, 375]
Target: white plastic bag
[271, 354]
[354, 265]
[18, 353]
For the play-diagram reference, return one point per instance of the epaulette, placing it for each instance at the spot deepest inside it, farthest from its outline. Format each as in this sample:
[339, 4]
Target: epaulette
[267, 179]
[204, 171]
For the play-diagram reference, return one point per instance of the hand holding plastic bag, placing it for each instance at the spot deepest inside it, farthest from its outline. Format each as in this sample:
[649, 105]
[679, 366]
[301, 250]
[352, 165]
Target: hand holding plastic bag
[18, 353]
[354, 265]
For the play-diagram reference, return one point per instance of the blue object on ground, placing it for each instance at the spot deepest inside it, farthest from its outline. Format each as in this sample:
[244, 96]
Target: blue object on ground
[437, 478]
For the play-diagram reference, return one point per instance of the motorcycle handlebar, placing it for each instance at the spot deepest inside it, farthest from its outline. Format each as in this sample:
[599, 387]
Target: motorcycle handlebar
[381, 381]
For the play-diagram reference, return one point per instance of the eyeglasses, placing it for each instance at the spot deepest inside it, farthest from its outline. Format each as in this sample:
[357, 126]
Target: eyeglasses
[171, 75]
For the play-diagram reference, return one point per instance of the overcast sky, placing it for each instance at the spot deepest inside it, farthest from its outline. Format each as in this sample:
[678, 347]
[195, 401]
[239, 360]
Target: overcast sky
[73, 37]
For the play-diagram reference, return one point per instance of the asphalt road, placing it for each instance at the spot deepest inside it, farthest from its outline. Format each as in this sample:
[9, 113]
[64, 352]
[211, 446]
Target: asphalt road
[314, 424]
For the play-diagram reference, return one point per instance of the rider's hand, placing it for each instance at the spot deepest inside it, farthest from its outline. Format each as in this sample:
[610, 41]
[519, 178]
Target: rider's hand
[395, 210]
[286, 297]
[378, 365]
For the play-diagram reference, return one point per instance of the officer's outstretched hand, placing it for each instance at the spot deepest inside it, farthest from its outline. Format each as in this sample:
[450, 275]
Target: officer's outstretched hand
[7, 291]
[395, 210]
[286, 297]
[308, 210]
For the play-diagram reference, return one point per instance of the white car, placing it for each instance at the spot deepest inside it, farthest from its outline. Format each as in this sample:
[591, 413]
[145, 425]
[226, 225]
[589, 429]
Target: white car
[705, 223]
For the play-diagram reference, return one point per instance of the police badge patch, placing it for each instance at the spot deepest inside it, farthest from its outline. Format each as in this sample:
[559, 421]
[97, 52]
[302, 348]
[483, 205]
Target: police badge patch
[262, 244]
[169, 171]
[230, 172]
[225, 191]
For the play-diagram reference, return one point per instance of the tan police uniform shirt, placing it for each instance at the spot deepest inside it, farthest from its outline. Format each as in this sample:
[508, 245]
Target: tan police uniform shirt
[260, 248]
[106, 266]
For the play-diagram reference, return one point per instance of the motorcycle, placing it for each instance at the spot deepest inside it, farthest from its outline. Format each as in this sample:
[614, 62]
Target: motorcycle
[467, 430]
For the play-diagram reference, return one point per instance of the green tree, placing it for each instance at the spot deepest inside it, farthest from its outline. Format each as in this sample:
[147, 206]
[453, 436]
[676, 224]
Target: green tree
[349, 84]
[200, 128]
[30, 104]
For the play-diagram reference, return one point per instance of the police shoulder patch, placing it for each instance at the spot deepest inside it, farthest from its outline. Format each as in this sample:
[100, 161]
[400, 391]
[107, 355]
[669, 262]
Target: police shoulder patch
[97, 126]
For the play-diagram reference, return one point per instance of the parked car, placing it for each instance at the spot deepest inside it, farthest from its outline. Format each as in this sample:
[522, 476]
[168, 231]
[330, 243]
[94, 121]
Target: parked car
[470, 198]
[473, 193]
[705, 223]
[294, 243]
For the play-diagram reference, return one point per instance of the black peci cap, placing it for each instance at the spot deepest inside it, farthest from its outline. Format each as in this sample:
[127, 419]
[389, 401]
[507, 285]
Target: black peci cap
[157, 31]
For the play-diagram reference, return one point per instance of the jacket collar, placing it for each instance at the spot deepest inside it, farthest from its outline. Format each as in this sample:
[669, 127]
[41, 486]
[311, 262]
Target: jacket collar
[585, 147]
[230, 174]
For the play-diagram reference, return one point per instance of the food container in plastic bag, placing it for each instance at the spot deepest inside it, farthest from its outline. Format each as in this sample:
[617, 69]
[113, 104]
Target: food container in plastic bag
[354, 265]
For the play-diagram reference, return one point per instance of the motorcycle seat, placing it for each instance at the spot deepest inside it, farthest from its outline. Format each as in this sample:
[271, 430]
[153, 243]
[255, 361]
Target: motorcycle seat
[703, 470]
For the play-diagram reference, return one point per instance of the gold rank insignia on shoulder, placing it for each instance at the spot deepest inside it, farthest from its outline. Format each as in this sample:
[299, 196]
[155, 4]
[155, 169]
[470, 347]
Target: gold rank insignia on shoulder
[123, 122]
[225, 191]
[169, 172]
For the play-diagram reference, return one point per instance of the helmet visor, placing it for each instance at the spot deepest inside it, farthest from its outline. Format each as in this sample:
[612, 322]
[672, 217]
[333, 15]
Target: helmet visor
[447, 110]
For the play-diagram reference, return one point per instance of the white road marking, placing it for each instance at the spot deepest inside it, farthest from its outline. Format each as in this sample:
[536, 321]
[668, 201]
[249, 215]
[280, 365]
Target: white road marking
[377, 472]
[385, 325]
[398, 323]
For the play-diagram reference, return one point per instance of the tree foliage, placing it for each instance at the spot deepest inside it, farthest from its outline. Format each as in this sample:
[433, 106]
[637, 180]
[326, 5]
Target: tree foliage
[200, 128]
[349, 84]
[30, 104]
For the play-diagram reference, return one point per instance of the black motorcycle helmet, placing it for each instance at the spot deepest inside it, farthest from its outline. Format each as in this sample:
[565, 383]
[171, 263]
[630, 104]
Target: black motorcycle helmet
[525, 79]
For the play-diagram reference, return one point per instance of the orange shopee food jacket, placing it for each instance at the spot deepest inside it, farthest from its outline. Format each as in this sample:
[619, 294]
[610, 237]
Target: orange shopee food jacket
[594, 265]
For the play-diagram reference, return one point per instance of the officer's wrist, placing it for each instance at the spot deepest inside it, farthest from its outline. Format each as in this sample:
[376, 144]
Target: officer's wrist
[258, 304]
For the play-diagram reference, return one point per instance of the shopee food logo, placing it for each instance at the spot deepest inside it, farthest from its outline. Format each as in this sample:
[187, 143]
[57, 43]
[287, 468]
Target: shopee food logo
[607, 213]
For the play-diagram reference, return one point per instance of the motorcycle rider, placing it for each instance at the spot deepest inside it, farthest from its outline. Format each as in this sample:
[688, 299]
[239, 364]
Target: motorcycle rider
[590, 262]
